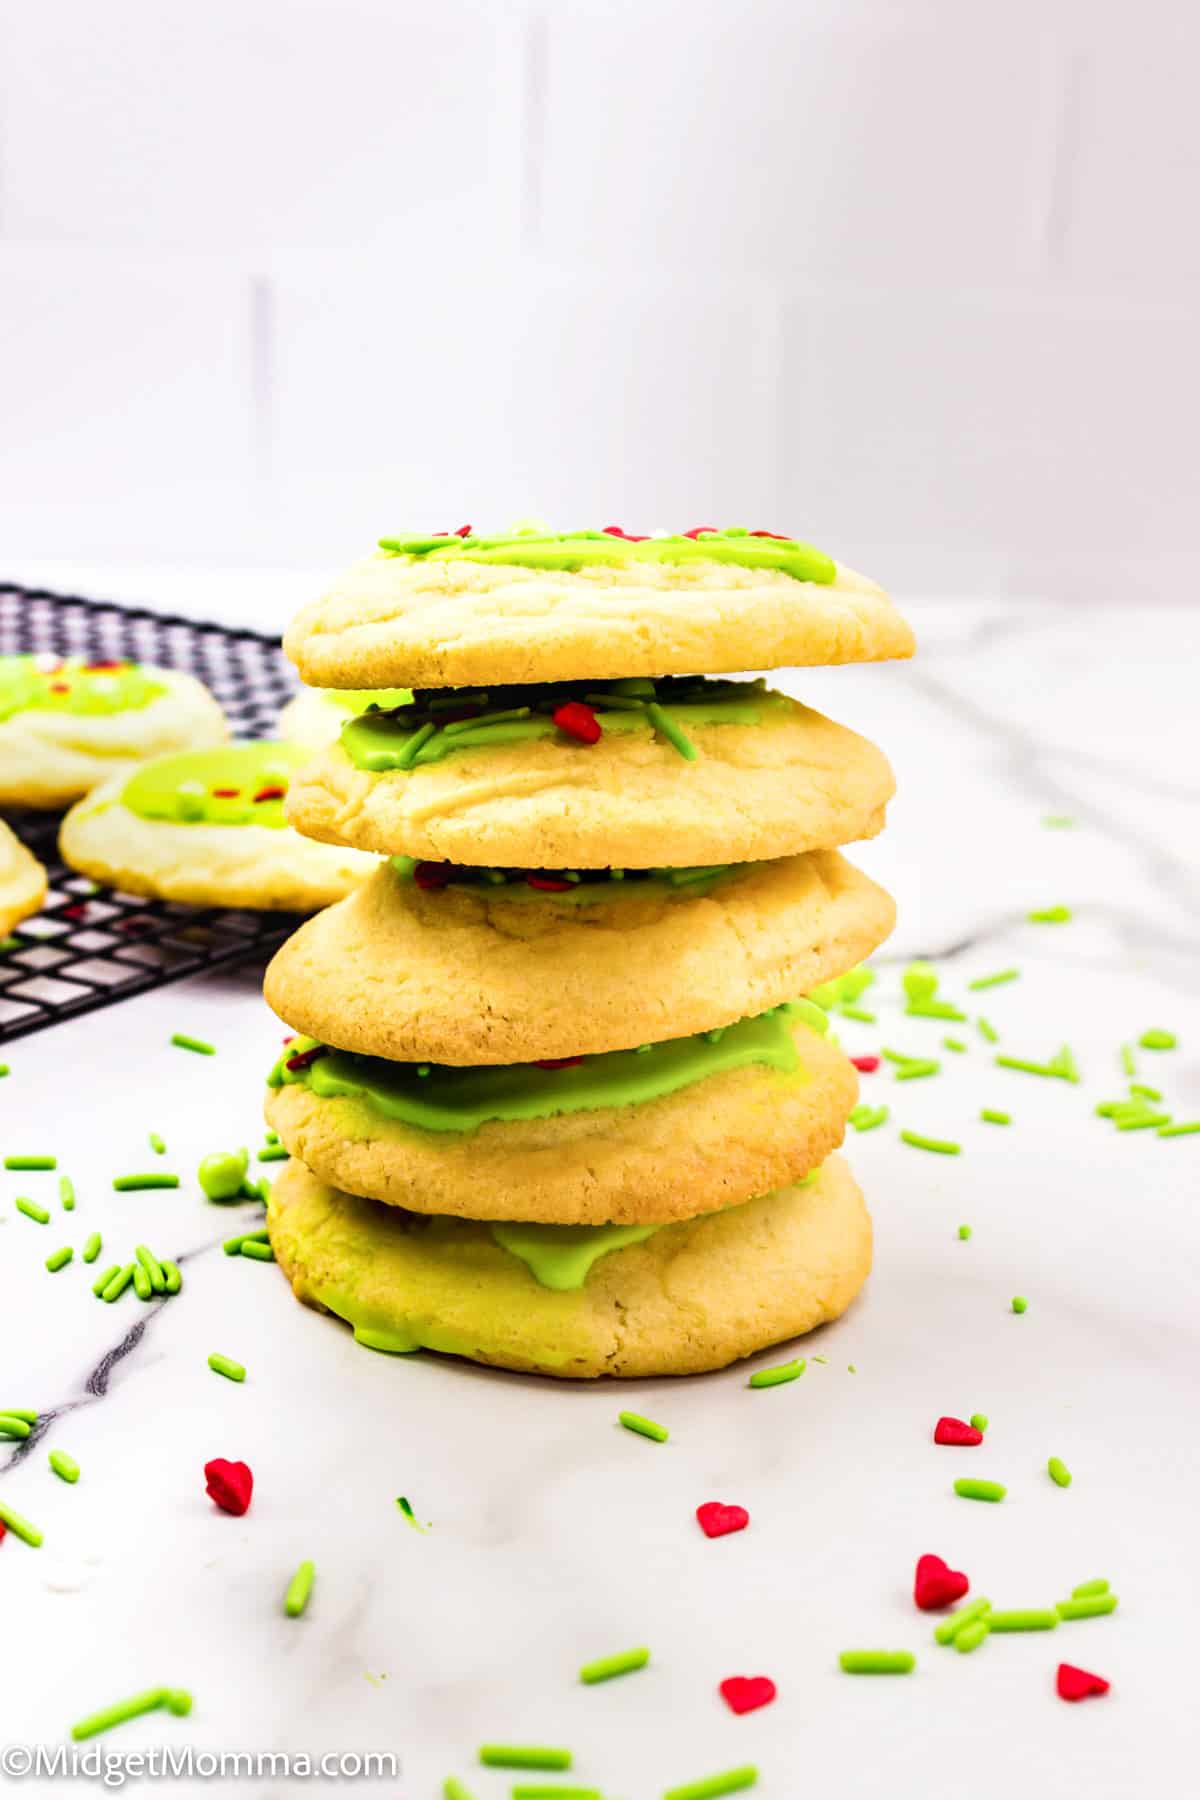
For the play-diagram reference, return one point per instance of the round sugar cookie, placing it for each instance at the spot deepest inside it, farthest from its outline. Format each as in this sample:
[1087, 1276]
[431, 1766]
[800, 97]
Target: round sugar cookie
[499, 971]
[315, 716]
[207, 828]
[693, 1296]
[22, 881]
[760, 776]
[563, 607]
[66, 725]
[634, 1137]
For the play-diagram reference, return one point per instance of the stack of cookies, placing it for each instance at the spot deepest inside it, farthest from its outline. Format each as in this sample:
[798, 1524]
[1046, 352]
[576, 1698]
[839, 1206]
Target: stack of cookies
[556, 1099]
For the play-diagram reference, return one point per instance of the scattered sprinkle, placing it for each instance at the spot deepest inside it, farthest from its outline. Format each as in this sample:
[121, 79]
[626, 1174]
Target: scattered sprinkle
[523, 1756]
[936, 1584]
[776, 1376]
[877, 1662]
[222, 1174]
[941, 1146]
[1157, 1038]
[717, 1518]
[979, 1421]
[605, 1667]
[964, 1232]
[866, 1118]
[230, 1484]
[173, 1277]
[746, 1693]
[990, 1116]
[866, 1065]
[257, 1250]
[1127, 1063]
[955, 1044]
[990, 981]
[59, 1259]
[102, 1280]
[967, 1488]
[972, 1635]
[129, 1184]
[406, 1508]
[298, 1589]
[1058, 1472]
[64, 1466]
[225, 1365]
[175, 1700]
[66, 1193]
[273, 1153]
[1029, 1618]
[916, 1067]
[1187, 1128]
[644, 1427]
[1057, 821]
[233, 1246]
[1019, 1303]
[1049, 915]
[141, 1281]
[987, 1031]
[120, 1281]
[949, 1628]
[182, 1041]
[153, 1268]
[29, 1534]
[1089, 1606]
[1086, 1589]
[662, 721]
[1062, 1065]
[1078, 1684]
[27, 1163]
[920, 981]
[956, 1431]
[711, 1787]
[453, 1789]
[12, 1425]
[91, 1247]
[32, 1210]
[157, 1145]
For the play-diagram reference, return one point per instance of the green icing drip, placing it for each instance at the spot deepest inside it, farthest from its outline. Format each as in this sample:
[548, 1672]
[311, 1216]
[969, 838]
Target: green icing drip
[584, 887]
[573, 550]
[411, 1331]
[74, 687]
[561, 1256]
[462, 1099]
[382, 742]
[184, 789]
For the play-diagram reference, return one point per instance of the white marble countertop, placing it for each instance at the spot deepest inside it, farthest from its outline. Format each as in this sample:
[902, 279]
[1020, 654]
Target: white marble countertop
[554, 1536]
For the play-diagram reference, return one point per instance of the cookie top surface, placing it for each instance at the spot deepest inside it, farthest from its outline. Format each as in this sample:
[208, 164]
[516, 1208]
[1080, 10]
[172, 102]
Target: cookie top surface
[667, 1131]
[430, 962]
[635, 774]
[677, 1300]
[541, 606]
[67, 725]
[207, 828]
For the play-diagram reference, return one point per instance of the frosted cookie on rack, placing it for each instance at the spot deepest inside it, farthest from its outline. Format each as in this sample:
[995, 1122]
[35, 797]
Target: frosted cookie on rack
[207, 828]
[440, 963]
[67, 724]
[315, 716]
[665, 1131]
[587, 775]
[456, 610]
[675, 1300]
[22, 881]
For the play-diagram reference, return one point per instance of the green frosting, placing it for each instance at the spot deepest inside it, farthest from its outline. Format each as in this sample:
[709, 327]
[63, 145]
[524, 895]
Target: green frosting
[571, 550]
[91, 690]
[413, 736]
[586, 887]
[357, 700]
[239, 784]
[561, 1256]
[436, 1097]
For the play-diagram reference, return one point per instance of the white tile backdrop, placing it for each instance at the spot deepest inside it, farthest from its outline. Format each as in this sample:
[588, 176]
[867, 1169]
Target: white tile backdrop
[917, 278]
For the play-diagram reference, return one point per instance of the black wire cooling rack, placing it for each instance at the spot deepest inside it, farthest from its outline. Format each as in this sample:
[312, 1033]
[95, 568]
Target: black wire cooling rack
[90, 947]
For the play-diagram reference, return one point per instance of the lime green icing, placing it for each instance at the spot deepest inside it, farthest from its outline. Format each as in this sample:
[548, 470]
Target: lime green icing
[401, 1336]
[573, 550]
[84, 690]
[461, 1099]
[584, 887]
[357, 700]
[186, 789]
[381, 742]
[561, 1256]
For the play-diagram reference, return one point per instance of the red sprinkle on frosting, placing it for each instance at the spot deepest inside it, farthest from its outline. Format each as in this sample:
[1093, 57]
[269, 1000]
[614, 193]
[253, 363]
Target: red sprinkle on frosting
[936, 1584]
[578, 721]
[558, 1062]
[631, 537]
[745, 1693]
[60, 687]
[956, 1431]
[304, 1059]
[866, 1065]
[549, 884]
[431, 875]
[270, 793]
[108, 663]
[225, 793]
[230, 1484]
[718, 1519]
[700, 530]
[1079, 1684]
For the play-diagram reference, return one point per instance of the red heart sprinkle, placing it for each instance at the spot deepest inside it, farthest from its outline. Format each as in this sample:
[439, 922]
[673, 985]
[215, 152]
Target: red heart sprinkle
[937, 1584]
[230, 1484]
[463, 531]
[743, 1693]
[578, 721]
[956, 1431]
[717, 1519]
[866, 1065]
[1078, 1684]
